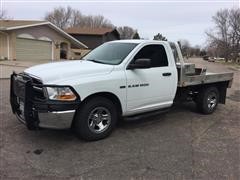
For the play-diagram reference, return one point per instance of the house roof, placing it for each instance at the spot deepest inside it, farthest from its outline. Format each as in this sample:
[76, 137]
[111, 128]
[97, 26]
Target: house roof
[17, 23]
[89, 31]
[6, 25]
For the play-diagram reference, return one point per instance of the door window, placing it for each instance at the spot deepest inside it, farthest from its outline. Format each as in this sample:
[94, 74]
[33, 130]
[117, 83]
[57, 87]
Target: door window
[156, 53]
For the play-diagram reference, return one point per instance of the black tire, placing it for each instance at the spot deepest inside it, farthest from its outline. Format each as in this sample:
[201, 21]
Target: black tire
[84, 125]
[207, 100]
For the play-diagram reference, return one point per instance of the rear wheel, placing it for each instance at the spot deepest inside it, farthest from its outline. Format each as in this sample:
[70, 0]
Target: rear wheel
[207, 100]
[95, 119]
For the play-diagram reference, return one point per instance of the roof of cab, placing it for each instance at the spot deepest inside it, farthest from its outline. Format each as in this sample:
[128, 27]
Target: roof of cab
[137, 41]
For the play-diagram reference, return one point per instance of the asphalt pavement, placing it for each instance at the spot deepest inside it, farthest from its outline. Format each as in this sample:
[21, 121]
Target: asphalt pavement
[179, 144]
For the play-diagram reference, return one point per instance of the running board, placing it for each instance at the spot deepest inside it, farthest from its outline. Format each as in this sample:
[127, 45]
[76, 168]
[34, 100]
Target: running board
[146, 115]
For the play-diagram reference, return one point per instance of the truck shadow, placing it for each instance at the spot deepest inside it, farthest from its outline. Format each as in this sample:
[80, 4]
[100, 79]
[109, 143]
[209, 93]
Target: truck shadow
[235, 96]
[177, 108]
[65, 136]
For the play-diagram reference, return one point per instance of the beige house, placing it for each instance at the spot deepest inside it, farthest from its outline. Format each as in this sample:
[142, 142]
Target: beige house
[36, 41]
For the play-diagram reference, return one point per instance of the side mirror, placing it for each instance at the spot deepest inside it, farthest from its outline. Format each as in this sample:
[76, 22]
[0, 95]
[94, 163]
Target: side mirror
[143, 63]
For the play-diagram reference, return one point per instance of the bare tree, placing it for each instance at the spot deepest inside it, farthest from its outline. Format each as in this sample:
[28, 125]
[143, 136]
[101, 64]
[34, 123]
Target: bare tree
[100, 21]
[60, 16]
[185, 47]
[136, 36]
[196, 51]
[221, 39]
[95, 22]
[159, 37]
[224, 38]
[234, 21]
[3, 14]
[77, 18]
[126, 32]
[69, 17]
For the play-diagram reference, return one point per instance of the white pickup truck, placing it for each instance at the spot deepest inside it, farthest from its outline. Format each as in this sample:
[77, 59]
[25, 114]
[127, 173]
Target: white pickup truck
[123, 78]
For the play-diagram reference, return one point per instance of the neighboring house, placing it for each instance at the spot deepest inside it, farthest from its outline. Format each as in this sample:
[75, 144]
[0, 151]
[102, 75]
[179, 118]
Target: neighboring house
[93, 37]
[35, 41]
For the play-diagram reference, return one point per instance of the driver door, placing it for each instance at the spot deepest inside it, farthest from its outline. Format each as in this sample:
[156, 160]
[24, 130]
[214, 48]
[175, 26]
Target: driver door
[150, 88]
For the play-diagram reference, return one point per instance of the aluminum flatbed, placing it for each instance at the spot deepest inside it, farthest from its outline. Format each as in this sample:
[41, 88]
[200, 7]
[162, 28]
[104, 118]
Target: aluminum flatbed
[190, 76]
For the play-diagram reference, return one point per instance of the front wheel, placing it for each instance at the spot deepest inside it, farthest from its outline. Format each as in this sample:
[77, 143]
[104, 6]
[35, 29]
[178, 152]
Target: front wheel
[95, 119]
[207, 100]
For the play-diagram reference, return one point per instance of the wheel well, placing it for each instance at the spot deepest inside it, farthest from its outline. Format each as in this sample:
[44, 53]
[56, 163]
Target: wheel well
[112, 97]
[222, 89]
[183, 93]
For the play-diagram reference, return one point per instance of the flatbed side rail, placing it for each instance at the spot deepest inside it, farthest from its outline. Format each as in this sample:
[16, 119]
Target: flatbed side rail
[206, 79]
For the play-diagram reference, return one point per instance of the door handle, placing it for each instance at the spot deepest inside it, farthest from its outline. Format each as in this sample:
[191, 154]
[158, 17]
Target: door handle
[167, 74]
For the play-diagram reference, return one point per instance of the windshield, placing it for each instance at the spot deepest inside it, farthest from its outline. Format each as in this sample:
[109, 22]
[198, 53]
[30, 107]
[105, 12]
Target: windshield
[110, 53]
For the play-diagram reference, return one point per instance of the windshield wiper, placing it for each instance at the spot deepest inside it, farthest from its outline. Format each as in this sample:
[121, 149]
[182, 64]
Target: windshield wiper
[94, 60]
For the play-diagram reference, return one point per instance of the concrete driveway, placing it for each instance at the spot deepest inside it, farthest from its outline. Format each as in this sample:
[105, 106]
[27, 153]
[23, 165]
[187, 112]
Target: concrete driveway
[181, 144]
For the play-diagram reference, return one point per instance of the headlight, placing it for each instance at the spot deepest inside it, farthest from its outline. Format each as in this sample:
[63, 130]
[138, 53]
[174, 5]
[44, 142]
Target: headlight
[61, 94]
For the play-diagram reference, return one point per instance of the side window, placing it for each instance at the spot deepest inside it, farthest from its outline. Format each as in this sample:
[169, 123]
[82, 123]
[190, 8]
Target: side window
[156, 53]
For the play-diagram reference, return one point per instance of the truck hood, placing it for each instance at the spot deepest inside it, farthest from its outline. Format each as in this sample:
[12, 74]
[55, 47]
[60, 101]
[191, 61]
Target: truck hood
[57, 71]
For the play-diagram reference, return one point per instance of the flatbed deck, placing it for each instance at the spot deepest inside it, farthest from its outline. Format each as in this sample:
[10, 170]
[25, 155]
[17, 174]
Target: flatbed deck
[191, 76]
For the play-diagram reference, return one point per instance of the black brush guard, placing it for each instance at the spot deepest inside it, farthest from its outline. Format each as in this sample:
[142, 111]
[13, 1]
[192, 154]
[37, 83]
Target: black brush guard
[24, 89]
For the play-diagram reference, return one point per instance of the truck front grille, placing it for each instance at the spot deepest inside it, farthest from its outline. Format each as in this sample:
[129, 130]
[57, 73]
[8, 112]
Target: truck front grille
[19, 87]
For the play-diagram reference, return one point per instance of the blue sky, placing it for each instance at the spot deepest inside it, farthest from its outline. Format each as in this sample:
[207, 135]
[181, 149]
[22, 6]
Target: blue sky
[175, 19]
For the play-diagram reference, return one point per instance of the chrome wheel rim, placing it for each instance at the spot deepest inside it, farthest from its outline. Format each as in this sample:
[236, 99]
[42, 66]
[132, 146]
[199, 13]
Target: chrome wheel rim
[212, 100]
[99, 119]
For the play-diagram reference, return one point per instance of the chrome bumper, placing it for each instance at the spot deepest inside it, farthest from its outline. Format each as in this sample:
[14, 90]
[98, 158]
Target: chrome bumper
[56, 120]
[52, 120]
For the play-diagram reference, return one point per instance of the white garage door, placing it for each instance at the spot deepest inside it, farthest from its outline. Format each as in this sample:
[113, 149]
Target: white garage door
[33, 50]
